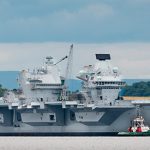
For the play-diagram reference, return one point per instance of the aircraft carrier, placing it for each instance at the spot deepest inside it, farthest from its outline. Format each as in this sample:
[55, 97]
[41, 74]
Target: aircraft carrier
[42, 104]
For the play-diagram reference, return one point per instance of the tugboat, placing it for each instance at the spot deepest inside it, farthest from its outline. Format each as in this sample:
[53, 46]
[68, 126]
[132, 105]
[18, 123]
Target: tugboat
[137, 128]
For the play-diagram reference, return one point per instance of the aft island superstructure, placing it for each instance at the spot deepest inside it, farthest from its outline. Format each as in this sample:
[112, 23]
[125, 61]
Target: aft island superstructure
[43, 106]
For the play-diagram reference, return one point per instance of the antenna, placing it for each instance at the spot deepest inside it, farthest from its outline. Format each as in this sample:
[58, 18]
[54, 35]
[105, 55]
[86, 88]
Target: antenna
[49, 60]
[138, 110]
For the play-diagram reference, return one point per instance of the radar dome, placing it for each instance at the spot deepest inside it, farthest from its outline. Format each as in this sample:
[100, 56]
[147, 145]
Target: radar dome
[115, 69]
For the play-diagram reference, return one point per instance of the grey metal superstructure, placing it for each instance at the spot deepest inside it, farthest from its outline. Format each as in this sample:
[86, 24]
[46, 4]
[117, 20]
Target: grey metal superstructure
[42, 106]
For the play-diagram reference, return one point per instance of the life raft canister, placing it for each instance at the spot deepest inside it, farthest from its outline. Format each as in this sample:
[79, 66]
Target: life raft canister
[130, 129]
[139, 129]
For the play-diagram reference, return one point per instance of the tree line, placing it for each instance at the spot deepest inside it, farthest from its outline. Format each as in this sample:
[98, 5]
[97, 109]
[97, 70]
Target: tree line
[2, 91]
[137, 89]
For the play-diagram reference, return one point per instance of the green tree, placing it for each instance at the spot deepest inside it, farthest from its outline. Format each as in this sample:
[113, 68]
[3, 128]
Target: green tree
[2, 91]
[137, 89]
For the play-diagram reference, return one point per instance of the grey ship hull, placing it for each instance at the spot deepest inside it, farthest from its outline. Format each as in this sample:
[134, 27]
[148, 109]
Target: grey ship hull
[112, 121]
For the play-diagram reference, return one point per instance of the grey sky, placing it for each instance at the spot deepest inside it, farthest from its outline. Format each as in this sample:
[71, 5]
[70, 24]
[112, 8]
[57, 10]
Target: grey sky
[132, 58]
[121, 28]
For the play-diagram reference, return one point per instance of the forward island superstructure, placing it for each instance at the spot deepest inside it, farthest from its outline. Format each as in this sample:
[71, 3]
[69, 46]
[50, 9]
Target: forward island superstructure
[43, 106]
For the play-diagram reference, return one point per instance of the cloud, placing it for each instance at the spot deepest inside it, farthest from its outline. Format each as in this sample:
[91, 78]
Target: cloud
[79, 21]
[132, 58]
[139, 2]
[95, 11]
[55, 25]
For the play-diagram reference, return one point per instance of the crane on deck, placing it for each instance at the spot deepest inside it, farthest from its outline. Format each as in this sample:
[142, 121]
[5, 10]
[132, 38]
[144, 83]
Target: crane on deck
[68, 73]
[61, 60]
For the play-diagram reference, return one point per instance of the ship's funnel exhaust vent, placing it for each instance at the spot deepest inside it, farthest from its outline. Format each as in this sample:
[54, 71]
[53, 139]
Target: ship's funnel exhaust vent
[103, 57]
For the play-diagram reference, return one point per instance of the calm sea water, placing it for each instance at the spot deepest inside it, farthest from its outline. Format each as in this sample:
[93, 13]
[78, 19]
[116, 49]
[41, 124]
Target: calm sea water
[74, 143]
